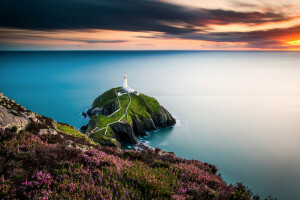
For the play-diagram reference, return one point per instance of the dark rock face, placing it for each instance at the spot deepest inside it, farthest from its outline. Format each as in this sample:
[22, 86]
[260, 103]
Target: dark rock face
[161, 119]
[84, 114]
[139, 126]
[84, 128]
[123, 132]
[105, 110]
[166, 119]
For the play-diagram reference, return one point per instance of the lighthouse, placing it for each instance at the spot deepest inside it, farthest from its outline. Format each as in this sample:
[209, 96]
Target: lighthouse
[125, 86]
[125, 81]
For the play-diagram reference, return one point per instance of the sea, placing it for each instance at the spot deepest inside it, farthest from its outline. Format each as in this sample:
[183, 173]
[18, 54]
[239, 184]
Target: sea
[238, 110]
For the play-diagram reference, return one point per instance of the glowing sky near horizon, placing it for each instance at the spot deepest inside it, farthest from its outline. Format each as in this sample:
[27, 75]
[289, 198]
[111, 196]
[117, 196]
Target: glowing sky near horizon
[149, 25]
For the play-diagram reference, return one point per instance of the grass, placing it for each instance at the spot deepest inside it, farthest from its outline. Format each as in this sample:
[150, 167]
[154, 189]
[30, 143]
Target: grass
[105, 140]
[143, 106]
[71, 131]
[106, 98]
[102, 121]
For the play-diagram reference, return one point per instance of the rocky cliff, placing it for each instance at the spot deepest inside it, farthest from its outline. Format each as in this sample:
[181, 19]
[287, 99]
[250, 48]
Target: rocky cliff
[144, 113]
[15, 117]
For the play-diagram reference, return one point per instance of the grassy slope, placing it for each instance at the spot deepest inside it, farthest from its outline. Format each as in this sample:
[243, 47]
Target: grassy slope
[141, 106]
[107, 97]
[73, 132]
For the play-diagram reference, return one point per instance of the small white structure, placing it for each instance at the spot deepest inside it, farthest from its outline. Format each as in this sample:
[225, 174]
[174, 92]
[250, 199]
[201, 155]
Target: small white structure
[125, 86]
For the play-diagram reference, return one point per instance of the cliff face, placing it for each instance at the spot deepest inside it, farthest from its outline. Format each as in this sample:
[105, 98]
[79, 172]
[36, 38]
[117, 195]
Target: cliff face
[17, 118]
[14, 115]
[143, 114]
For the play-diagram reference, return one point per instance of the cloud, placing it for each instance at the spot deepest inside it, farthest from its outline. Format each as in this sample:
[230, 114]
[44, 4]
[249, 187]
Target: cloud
[256, 39]
[20, 34]
[95, 41]
[35, 20]
[128, 15]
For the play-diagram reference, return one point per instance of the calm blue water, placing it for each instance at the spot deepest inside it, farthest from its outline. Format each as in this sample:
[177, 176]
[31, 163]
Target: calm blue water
[238, 110]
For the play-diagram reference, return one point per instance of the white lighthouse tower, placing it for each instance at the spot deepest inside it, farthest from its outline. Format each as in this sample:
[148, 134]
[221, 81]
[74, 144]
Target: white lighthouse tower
[125, 81]
[125, 86]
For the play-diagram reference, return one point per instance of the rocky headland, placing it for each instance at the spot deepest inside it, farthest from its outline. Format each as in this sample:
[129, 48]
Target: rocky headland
[144, 113]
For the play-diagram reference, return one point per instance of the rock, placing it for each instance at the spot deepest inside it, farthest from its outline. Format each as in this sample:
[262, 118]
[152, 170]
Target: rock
[123, 132]
[84, 128]
[167, 118]
[22, 109]
[15, 113]
[89, 112]
[163, 118]
[47, 131]
[138, 127]
[94, 111]
[43, 132]
[105, 110]
[69, 143]
[8, 120]
[84, 114]
[52, 131]
[142, 146]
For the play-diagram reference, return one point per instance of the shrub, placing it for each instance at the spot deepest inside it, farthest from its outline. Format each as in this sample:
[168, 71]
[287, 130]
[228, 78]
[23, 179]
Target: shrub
[7, 189]
[160, 164]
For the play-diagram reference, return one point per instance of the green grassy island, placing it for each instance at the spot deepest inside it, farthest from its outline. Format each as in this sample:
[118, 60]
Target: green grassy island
[117, 116]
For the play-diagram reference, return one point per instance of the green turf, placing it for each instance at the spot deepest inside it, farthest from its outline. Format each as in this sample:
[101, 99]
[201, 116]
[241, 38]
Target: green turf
[71, 131]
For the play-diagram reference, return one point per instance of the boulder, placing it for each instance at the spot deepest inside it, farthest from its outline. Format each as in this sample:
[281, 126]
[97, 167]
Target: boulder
[84, 128]
[84, 114]
[142, 146]
[8, 120]
[47, 131]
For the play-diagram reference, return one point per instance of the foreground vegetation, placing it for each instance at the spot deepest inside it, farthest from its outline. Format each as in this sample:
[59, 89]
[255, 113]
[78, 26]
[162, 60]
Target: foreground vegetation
[37, 166]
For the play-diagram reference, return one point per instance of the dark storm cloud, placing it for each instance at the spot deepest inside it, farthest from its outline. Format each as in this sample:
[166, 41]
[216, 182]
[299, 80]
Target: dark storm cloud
[129, 15]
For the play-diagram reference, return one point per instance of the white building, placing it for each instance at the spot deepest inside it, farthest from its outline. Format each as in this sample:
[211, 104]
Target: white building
[125, 86]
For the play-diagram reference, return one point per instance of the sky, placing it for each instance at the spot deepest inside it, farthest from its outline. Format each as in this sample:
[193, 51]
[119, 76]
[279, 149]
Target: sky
[149, 25]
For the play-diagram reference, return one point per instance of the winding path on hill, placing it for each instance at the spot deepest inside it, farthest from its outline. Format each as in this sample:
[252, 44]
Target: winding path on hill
[119, 120]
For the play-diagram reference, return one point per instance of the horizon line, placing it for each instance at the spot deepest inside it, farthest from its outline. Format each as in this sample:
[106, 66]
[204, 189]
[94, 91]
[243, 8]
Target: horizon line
[122, 50]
